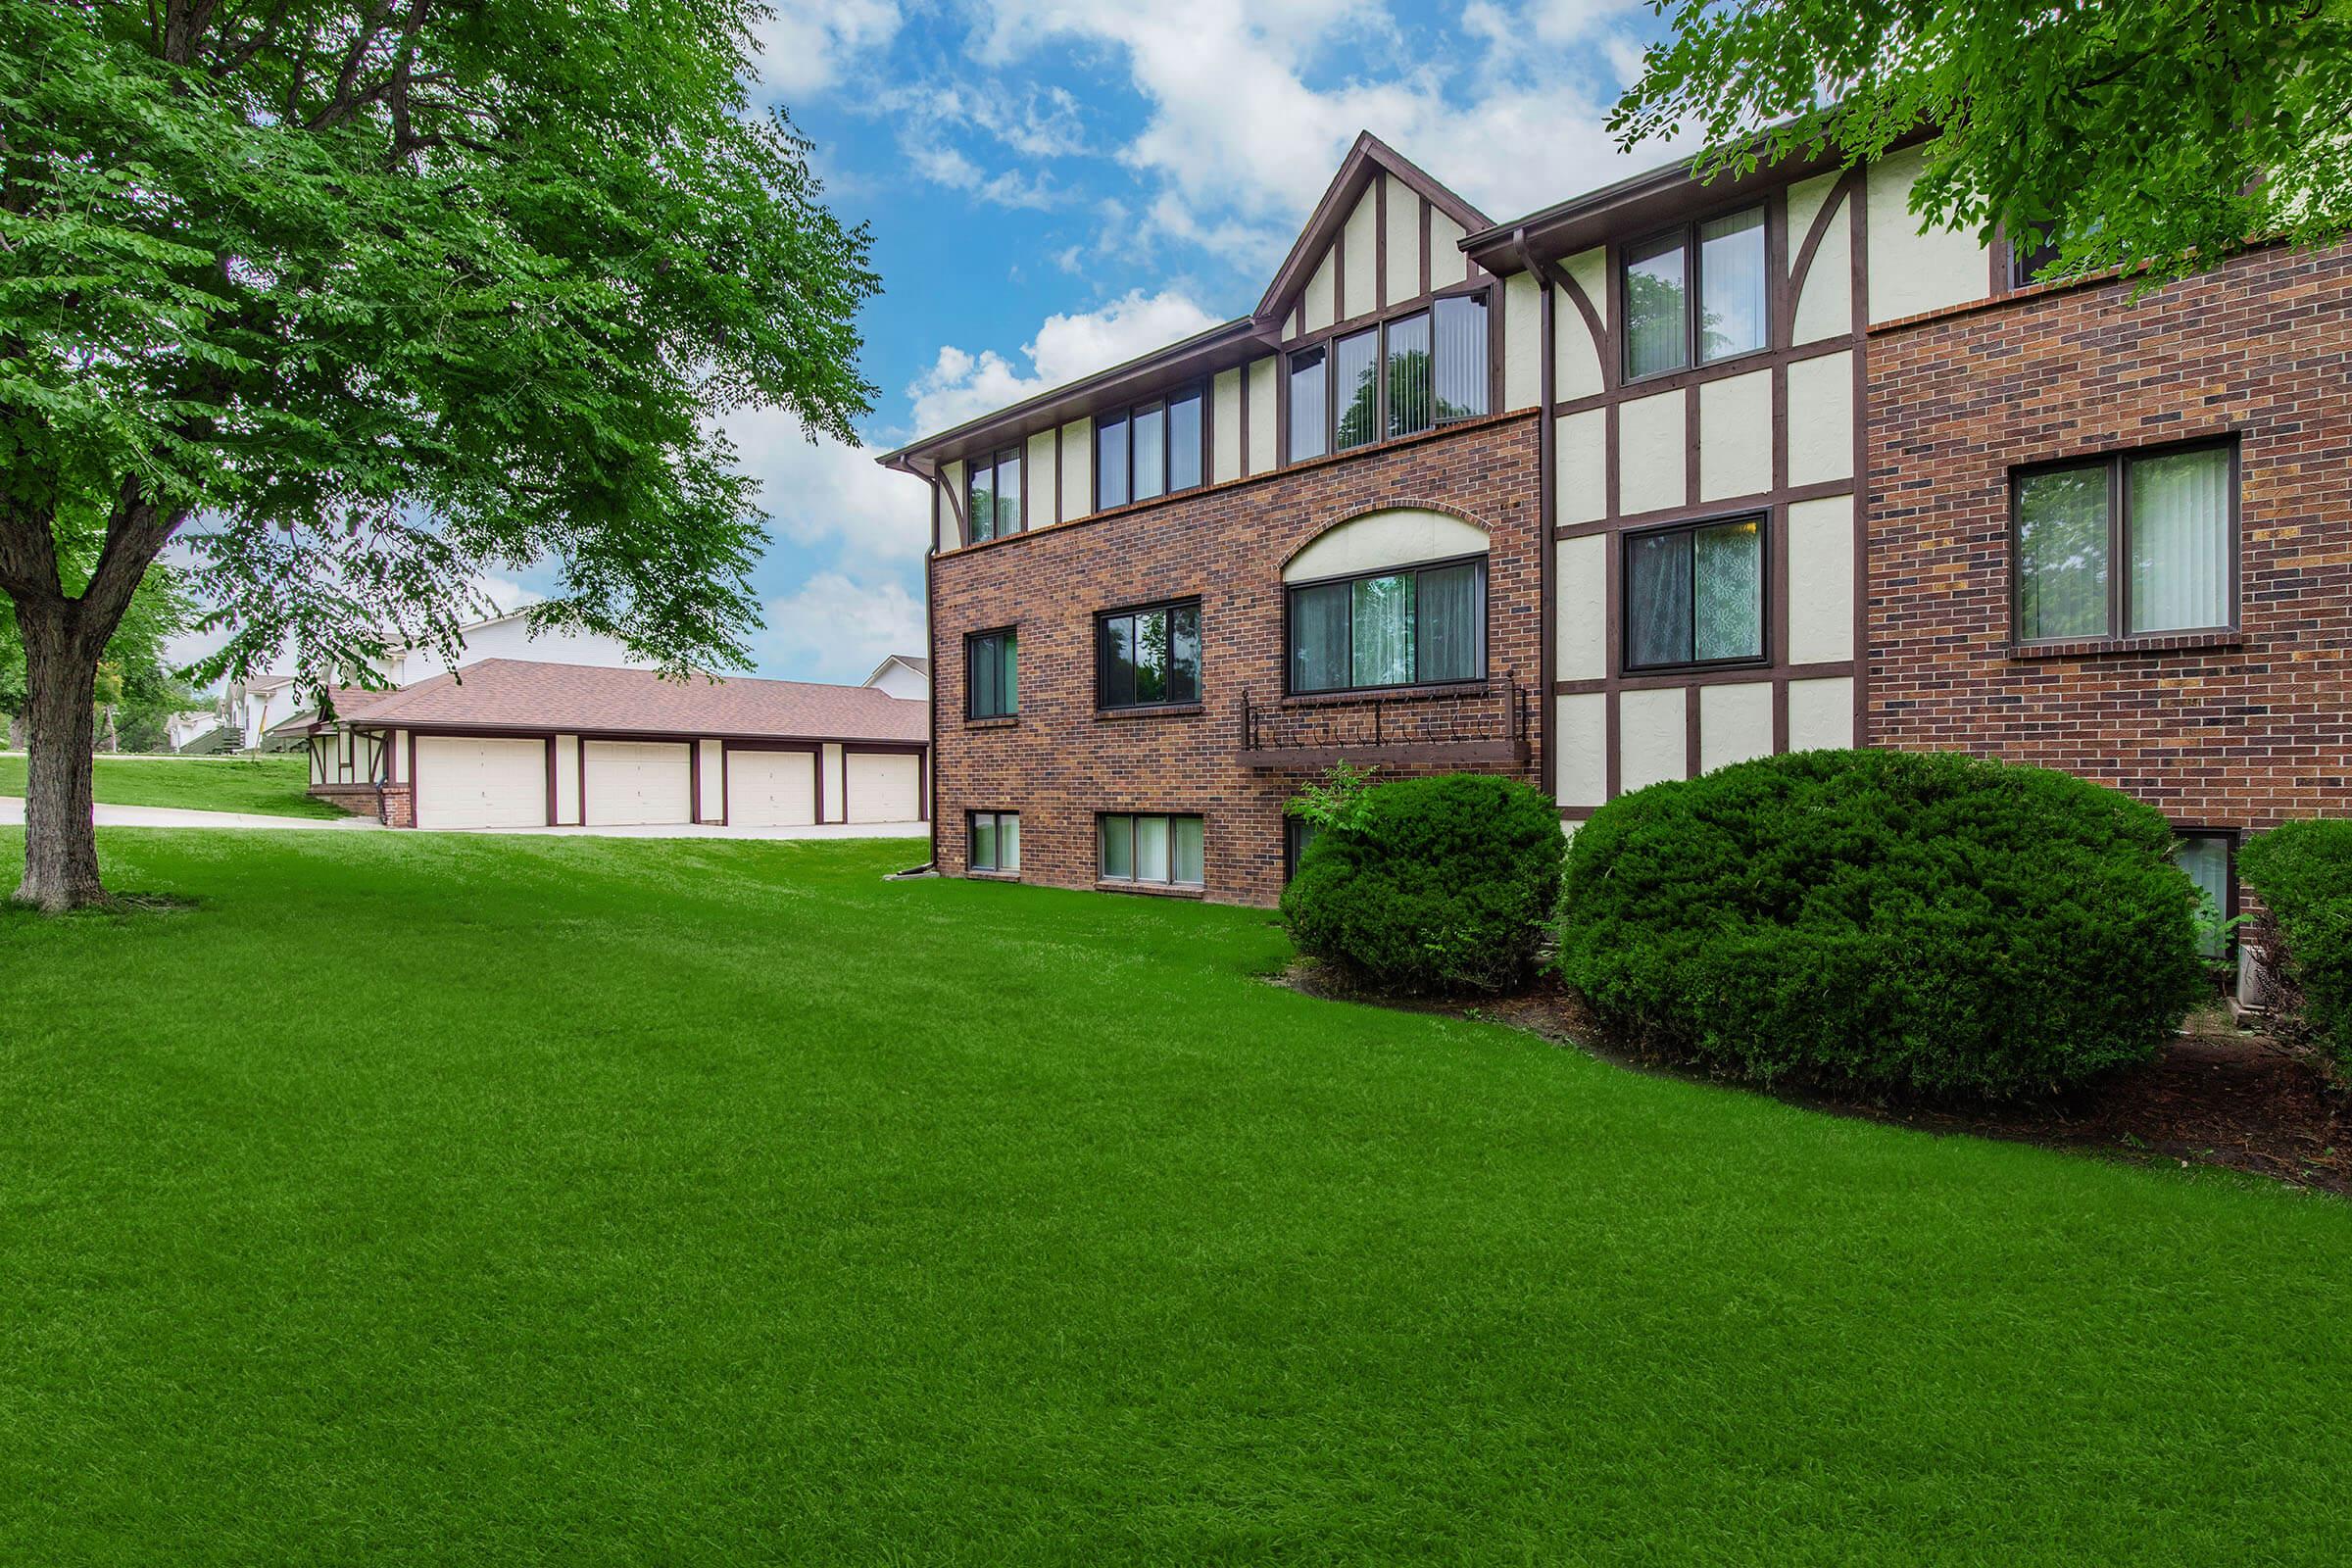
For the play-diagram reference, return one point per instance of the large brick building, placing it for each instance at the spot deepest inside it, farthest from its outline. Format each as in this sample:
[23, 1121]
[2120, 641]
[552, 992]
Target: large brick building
[1660, 477]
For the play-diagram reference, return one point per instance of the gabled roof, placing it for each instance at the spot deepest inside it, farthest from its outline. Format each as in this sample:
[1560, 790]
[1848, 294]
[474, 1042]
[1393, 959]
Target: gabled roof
[922, 666]
[1369, 158]
[521, 694]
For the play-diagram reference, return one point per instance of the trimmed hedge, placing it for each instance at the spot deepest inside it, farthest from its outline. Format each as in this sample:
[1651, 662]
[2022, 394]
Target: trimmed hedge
[1433, 884]
[2303, 873]
[1929, 923]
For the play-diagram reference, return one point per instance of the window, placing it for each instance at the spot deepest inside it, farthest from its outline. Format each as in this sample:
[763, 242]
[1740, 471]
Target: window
[2032, 251]
[996, 841]
[1153, 449]
[1720, 263]
[1163, 850]
[990, 661]
[1417, 626]
[2142, 542]
[1405, 377]
[1694, 594]
[1148, 658]
[1297, 834]
[1308, 405]
[2205, 855]
[992, 495]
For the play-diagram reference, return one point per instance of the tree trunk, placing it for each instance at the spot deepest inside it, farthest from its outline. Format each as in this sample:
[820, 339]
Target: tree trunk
[60, 677]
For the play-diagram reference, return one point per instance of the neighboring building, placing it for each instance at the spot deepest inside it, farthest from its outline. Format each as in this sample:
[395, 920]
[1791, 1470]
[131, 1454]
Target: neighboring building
[270, 703]
[189, 725]
[524, 744]
[903, 675]
[1658, 478]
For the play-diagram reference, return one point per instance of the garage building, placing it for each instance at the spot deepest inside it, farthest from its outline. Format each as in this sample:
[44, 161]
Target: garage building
[511, 743]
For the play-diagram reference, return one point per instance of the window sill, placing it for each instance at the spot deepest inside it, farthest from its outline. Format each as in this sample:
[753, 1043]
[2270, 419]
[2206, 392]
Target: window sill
[1150, 710]
[1004, 722]
[2169, 642]
[974, 875]
[1705, 667]
[1151, 890]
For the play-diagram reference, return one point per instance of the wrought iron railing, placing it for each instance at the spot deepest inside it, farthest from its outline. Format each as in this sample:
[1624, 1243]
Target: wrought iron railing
[1484, 721]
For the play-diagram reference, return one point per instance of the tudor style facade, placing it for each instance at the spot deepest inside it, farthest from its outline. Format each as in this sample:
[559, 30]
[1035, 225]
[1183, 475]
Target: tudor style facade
[1658, 478]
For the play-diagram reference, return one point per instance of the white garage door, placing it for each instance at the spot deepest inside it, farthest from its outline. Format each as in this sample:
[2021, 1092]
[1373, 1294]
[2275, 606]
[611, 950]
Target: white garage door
[771, 789]
[630, 783]
[884, 788]
[463, 782]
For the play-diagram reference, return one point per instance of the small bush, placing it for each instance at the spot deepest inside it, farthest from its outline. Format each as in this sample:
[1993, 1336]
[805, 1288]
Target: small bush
[1929, 923]
[2303, 872]
[1432, 884]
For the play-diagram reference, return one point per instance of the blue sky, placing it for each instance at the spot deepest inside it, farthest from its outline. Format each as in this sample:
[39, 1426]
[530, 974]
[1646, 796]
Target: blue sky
[1056, 186]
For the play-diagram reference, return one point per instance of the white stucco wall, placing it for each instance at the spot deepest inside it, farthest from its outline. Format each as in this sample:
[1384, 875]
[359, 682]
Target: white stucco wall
[1911, 271]
[951, 496]
[1581, 605]
[1321, 291]
[1824, 300]
[1403, 277]
[1734, 723]
[1584, 742]
[1735, 436]
[1360, 281]
[1653, 728]
[1650, 453]
[1575, 356]
[1447, 263]
[1521, 342]
[1821, 712]
[1074, 496]
[1225, 426]
[1580, 466]
[1040, 475]
[1821, 580]
[1821, 418]
[1400, 536]
[1263, 389]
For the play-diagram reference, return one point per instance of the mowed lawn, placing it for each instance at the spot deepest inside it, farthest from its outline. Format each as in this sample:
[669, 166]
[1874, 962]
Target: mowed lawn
[271, 785]
[419, 1198]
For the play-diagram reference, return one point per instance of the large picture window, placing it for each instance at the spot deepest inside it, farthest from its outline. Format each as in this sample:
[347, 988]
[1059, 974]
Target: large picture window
[2132, 545]
[1153, 449]
[1420, 625]
[1402, 377]
[1694, 595]
[996, 841]
[1168, 851]
[992, 688]
[1720, 265]
[992, 495]
[1148, 658]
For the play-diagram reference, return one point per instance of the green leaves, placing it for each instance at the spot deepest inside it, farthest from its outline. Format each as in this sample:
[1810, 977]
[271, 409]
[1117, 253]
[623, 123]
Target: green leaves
[2154, 136]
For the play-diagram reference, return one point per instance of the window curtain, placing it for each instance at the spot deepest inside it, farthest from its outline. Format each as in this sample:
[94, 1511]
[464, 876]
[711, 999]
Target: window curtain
[1009, 843]
[1731, 277]
[1152, 848]
[1307, 411]
[1110, 462]
[1118, 847]
[1356, 378]
[1008, 493]
[984, 842]
[1409, 410]
[1184, 442]
[1657, 576]
[1461, 358]
[1008, 678]
[1452, 622]
[2062, 554]
[1185, 850]
[1319, 638]
[1382, 630]
[2207, 863]
[1151, 428]
[1726, 619]
[2179, 524]
[1654, 301]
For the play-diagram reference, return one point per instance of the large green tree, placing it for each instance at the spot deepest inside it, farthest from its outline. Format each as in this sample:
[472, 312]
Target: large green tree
[2157, 136]
[367, 295]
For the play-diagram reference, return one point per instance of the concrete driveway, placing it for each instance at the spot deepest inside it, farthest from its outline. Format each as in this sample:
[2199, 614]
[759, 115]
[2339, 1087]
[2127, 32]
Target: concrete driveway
[12, 814]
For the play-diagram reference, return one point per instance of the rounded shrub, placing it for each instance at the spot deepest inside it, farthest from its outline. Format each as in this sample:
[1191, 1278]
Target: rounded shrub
[1927, 923]
[1430, 884]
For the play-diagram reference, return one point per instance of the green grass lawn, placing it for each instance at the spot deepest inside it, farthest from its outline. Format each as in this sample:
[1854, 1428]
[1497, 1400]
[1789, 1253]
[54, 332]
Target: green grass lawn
[572, 1201]
[271, 785]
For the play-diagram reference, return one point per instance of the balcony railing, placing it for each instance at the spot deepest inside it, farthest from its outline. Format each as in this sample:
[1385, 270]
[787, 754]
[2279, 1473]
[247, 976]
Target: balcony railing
[1475, 722]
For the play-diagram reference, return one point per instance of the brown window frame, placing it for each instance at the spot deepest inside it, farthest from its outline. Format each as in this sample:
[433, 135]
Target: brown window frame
[2232, 840]
[1015, 454]
[1486, 628]
[1626, 539]
[1686, 238]
[971, 840]
[1102, 620]
[1326, 341]
[1103, 870]
[971, 643]
[2118, 464]
[1126, 414]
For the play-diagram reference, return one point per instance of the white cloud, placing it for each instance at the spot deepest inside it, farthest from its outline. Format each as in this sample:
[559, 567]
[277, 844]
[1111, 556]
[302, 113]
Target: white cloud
[806, 47]
[963, 385]
[838, 627]
[829, 493]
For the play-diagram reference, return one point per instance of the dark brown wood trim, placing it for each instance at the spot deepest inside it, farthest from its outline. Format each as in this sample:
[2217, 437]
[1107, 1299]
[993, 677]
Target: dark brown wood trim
[1858, 286]
[1843, 190]
[1425, 244]
[1714, 506]
[1242, 464]
[1547, 547]
[1379, 240]
[1754, 673]
[1714, 371]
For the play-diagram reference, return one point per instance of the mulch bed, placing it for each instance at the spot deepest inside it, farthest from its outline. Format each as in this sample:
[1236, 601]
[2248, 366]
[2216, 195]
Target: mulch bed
[2218, 1095]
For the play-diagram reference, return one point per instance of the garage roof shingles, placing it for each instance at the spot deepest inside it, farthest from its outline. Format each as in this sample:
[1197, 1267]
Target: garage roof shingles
[513, 694]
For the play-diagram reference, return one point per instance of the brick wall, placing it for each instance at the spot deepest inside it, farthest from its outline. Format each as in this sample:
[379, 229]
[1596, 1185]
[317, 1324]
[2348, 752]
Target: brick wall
[1060, 762]
[400, 806]
[2234, 732]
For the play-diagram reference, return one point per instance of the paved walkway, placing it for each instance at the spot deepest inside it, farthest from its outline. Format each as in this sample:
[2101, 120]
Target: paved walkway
[12, 812]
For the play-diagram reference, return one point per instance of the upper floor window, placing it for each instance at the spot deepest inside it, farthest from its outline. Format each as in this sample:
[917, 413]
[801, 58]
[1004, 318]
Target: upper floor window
[991, 685]
[1148, 658]
[1153, 449]
[1416, 626]
[1402, 377]
[2028, 253]
[1694, 594]
[1721, 264]
[2129, 545]
[992, 495]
